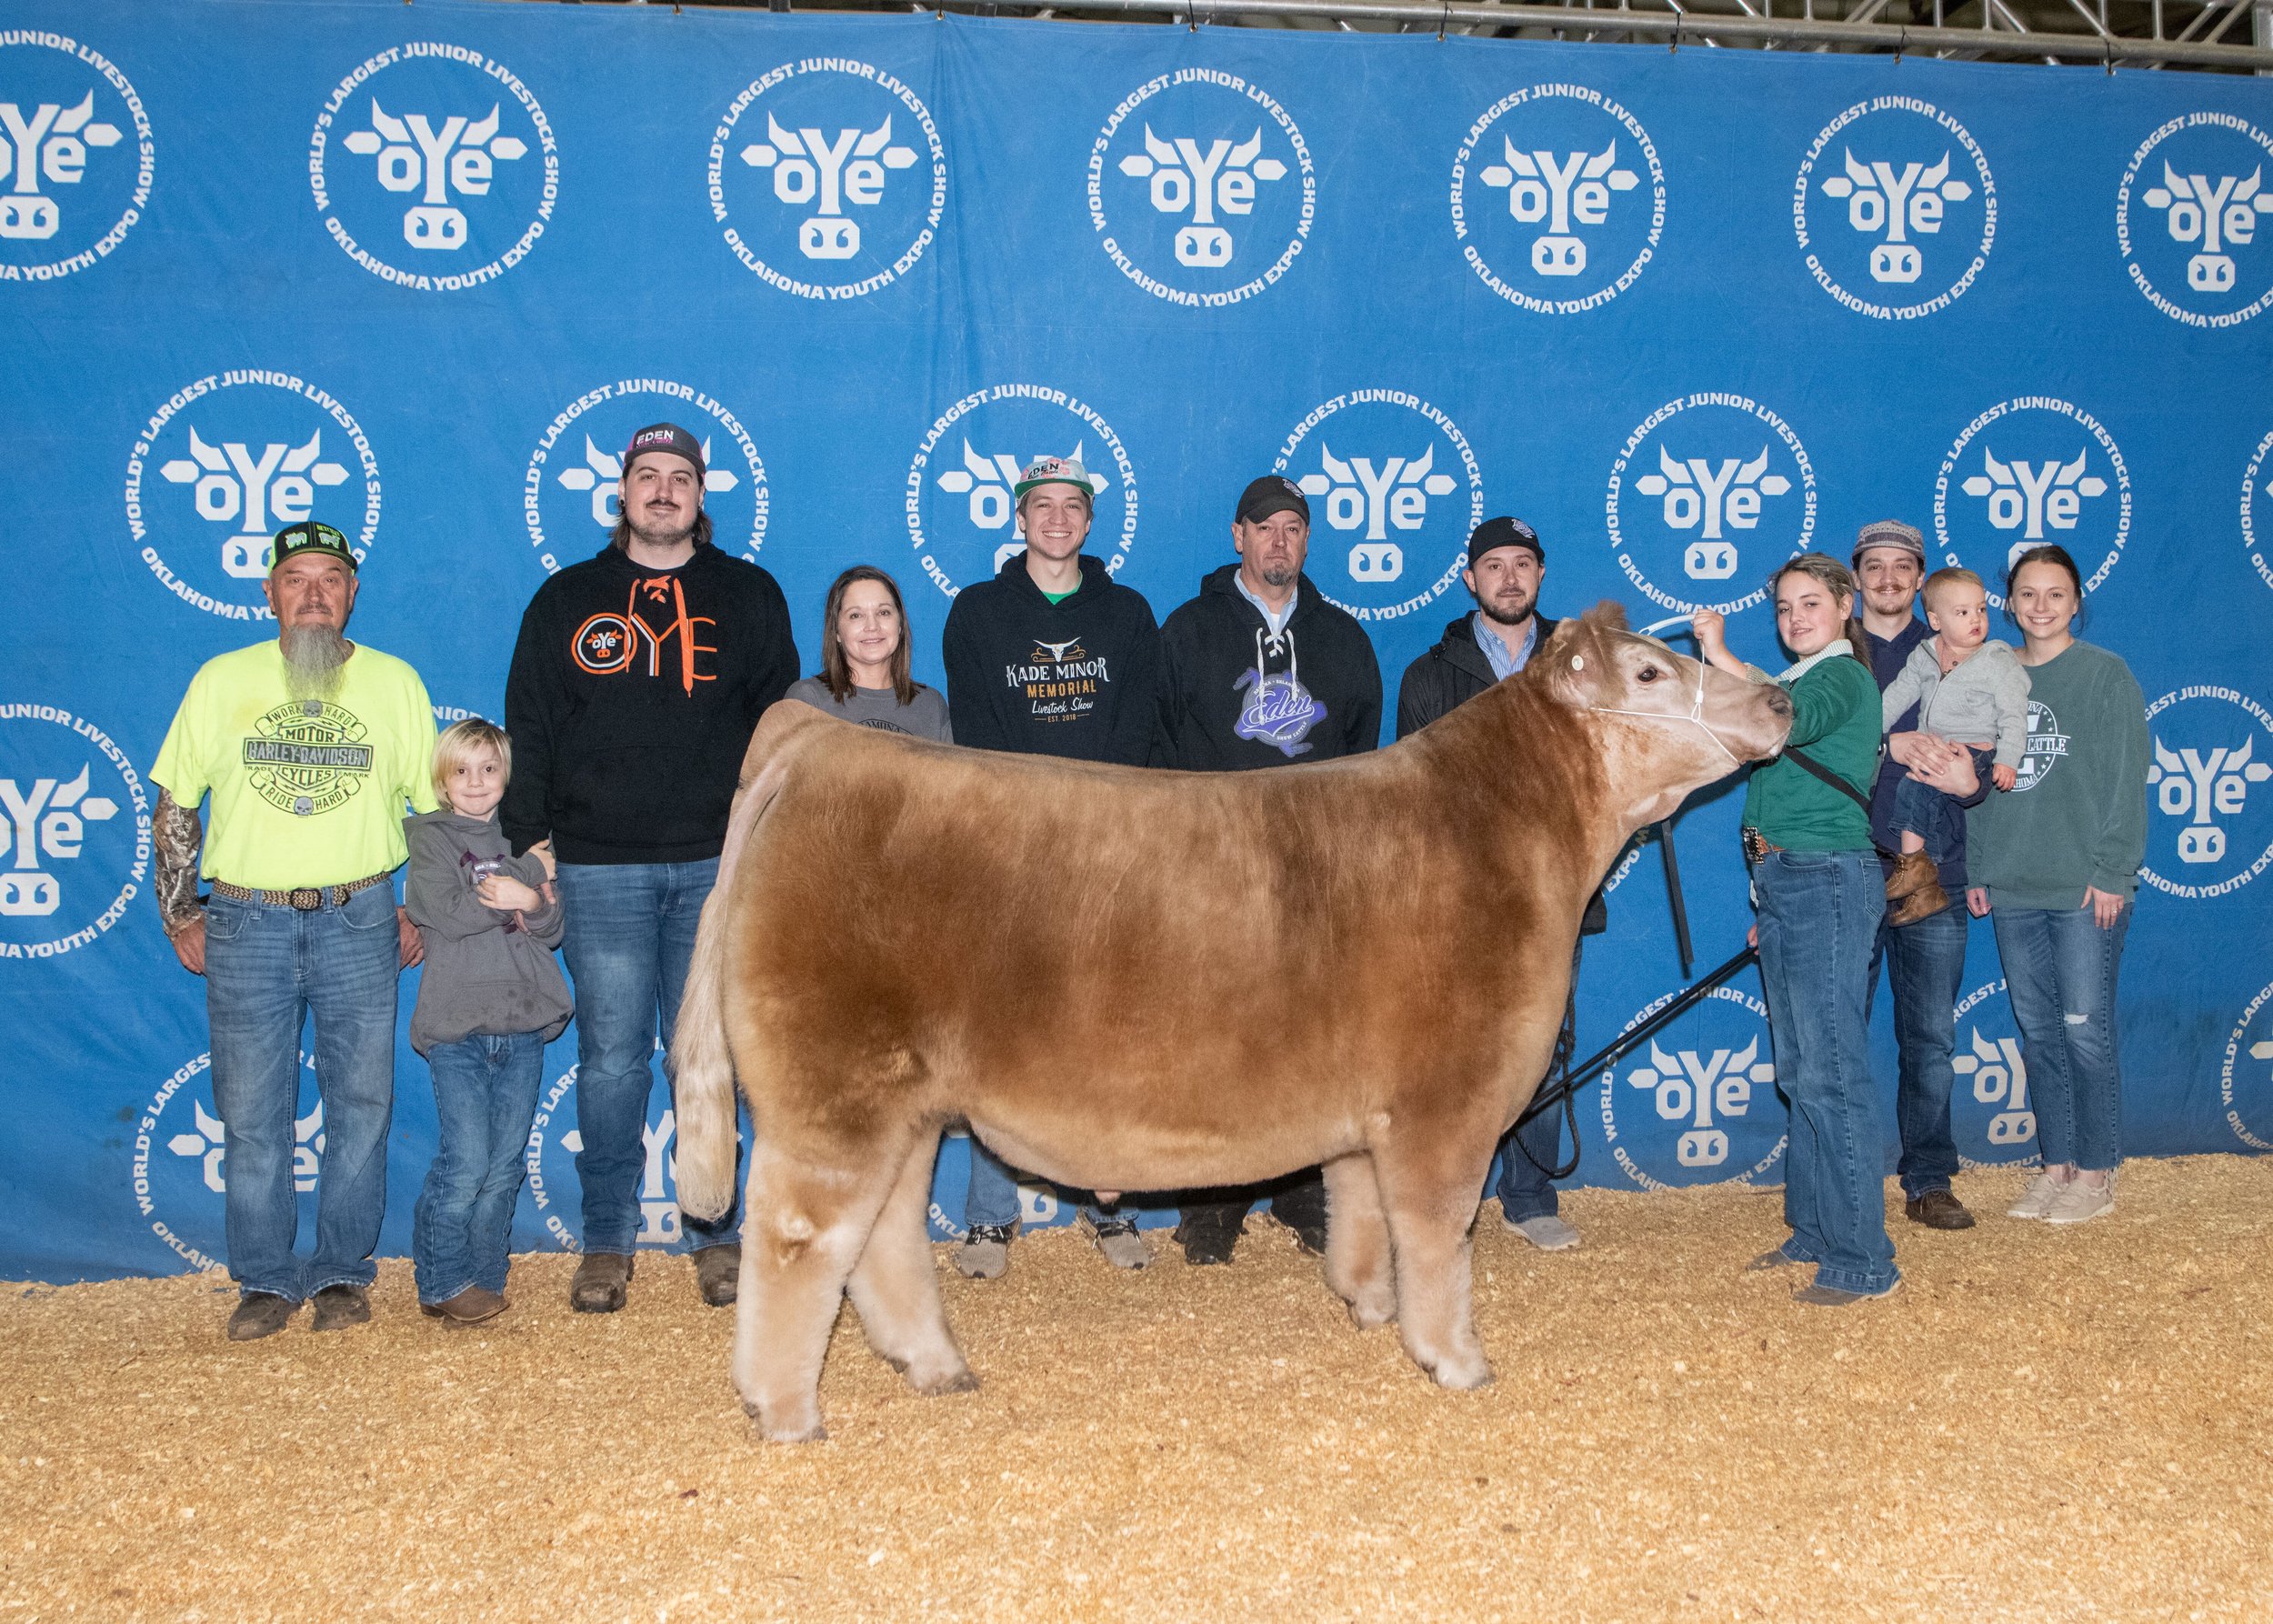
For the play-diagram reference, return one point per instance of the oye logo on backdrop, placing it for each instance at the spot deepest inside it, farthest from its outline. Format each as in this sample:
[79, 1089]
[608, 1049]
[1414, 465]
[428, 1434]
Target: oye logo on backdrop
[1698, 1105]
[1992, 1113]
[71, 184]
[2186, 218]
[1201, 188]
[2026, 472]
[961, 515]
[2245, 1081]
[1894, 208]
[74, 832]
[551, 1191]
[229, 460]
[1560, 220]
[1386, 473]
[2252, 484]
[2211, 828]
[569, 490]
[433, 167]
[179, 1172]
[1709, 488]
[837, 190]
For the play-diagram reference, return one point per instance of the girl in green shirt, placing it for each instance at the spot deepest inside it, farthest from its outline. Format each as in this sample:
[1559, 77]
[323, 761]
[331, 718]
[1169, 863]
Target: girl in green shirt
[1820, 894]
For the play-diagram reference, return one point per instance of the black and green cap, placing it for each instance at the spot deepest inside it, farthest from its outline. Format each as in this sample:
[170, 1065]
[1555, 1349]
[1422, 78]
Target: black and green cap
[308, 537]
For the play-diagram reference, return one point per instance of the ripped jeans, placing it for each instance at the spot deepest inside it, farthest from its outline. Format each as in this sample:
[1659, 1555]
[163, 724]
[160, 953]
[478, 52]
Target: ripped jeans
[2060, 971]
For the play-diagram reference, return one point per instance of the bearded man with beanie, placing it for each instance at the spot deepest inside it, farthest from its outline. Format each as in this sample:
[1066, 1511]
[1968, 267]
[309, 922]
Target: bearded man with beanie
[1051, 657]
[1506, 565]
[1257, 671]
[638, 680]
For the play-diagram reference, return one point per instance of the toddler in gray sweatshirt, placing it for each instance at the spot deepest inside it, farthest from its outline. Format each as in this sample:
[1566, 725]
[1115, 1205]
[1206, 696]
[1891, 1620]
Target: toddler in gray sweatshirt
[1970, 689]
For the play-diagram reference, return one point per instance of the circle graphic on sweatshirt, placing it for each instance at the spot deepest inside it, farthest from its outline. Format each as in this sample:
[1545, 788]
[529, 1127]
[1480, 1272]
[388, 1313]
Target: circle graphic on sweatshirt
[568, 494]
[962, 512]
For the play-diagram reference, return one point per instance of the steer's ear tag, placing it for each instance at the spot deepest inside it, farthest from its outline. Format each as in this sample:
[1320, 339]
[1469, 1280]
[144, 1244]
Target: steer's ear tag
[1579, 662]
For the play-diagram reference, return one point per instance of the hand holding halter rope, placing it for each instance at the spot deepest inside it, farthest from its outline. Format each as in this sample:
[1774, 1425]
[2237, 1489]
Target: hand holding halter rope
[1696, 704]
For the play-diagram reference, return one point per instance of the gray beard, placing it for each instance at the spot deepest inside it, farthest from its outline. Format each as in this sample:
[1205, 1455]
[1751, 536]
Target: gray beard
[1284, 574]
[315, 659]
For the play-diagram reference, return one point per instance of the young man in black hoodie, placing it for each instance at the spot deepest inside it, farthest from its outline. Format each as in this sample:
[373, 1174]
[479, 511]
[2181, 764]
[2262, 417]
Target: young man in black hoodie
[638, 677]
[1257, 671]
[1051, 657]
[1506, 565]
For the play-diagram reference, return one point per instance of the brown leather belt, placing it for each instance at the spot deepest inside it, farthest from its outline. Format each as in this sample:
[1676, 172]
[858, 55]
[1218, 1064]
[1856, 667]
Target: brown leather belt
[306, 899]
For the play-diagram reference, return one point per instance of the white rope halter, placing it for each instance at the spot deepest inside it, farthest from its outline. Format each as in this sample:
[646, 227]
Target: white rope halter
[1696, 703]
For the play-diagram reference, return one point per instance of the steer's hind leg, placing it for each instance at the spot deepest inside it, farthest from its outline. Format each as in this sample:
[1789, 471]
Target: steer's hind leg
[896, 1286]
[810, 1215]
[1430, 1203]
[1357, 1261]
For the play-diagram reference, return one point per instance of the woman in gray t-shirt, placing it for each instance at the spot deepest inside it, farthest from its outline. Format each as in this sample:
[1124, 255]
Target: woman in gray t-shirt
[864, 661]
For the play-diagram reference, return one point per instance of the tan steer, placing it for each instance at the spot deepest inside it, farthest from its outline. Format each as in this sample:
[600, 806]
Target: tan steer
[1361, 963]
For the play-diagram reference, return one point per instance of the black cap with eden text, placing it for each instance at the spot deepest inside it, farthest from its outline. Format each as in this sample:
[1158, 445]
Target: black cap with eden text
[308, 537]
[1503, 533]
[666, 437]
[1271, 494]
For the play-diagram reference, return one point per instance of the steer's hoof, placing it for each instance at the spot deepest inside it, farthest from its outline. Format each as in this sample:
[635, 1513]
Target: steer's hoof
[1463, 1374]
[1368, 1313]
[804, 1429]
[954, 1381]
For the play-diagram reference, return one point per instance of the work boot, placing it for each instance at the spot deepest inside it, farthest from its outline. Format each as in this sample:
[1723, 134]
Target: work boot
[1937, 1209]
[601, 1281]
[1545, 1231]
[719, 1274]
[1912, 870]
[1122, 1246]
[1208, 1234]
[1921, 904]
[470, 1306]
[985, 1254]
[339, 1306]
[260, 1314]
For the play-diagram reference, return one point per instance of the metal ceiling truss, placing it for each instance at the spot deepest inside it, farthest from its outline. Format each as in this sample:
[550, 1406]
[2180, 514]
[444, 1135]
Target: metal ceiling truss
[2216, 36]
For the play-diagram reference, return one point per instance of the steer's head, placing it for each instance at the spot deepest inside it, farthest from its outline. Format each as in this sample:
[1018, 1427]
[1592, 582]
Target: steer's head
[1665, 724]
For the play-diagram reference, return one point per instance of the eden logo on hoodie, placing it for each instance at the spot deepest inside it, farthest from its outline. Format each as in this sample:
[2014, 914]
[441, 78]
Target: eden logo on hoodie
[1279, 711]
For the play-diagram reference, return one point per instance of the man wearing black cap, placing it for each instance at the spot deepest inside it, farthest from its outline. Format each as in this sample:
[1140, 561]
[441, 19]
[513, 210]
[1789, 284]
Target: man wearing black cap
[311, 747]
[1257, 671]
[638, 677]
[1506, 565]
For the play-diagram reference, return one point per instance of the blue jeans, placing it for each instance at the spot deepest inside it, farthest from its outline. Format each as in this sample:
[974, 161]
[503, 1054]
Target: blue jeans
[2060, 971]
[484, 1098]
[1820, 913]
[1925, 966]
[627, 932]
[993, 1194]
[1525, 1192]
[267, 970]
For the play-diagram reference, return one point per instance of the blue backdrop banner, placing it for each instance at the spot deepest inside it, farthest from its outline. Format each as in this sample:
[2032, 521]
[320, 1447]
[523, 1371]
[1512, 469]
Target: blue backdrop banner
[419, 270]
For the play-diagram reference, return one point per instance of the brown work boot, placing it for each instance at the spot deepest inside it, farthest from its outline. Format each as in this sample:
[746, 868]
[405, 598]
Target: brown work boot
[259, 1314]
[469, 1306]
[602, 1278]
[719, 1274]
[1921, 904]
[339, 1306]
[1937, 1209]
[1913, 872]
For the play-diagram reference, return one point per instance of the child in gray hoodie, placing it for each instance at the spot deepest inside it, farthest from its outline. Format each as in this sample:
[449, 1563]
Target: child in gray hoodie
[1970, 689]
[490, 998]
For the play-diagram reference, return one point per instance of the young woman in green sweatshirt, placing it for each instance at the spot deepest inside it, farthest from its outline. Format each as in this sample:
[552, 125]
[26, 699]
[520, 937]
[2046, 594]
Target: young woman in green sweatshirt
[1820, 894]
[2055, 864]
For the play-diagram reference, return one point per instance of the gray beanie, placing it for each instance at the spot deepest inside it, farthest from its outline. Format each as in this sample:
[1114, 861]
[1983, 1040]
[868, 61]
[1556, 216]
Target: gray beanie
[1888, 533]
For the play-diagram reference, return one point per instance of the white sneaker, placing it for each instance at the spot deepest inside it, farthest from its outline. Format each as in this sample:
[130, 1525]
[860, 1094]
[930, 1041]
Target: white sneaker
[1122, 1246]
[2080, 1202]
[2036, 1200]
[1546, 1232]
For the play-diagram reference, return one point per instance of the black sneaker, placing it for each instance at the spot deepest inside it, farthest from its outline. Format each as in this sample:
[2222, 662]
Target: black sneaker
[1207, 1235]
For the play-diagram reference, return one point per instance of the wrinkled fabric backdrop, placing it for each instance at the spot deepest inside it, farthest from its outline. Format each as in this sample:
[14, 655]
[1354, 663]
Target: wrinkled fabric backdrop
[418, 271]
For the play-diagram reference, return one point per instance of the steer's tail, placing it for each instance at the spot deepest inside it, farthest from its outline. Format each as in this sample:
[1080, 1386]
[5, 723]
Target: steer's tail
[701, 1062]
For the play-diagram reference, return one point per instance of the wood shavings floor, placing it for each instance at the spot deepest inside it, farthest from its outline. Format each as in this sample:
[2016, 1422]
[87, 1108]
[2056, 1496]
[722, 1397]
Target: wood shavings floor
[2041, 1425]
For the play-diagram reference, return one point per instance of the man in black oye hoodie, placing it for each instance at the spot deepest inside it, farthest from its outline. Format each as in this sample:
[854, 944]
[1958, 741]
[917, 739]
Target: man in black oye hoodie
[1260, 670]
[637, 682]
[1051, 657]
